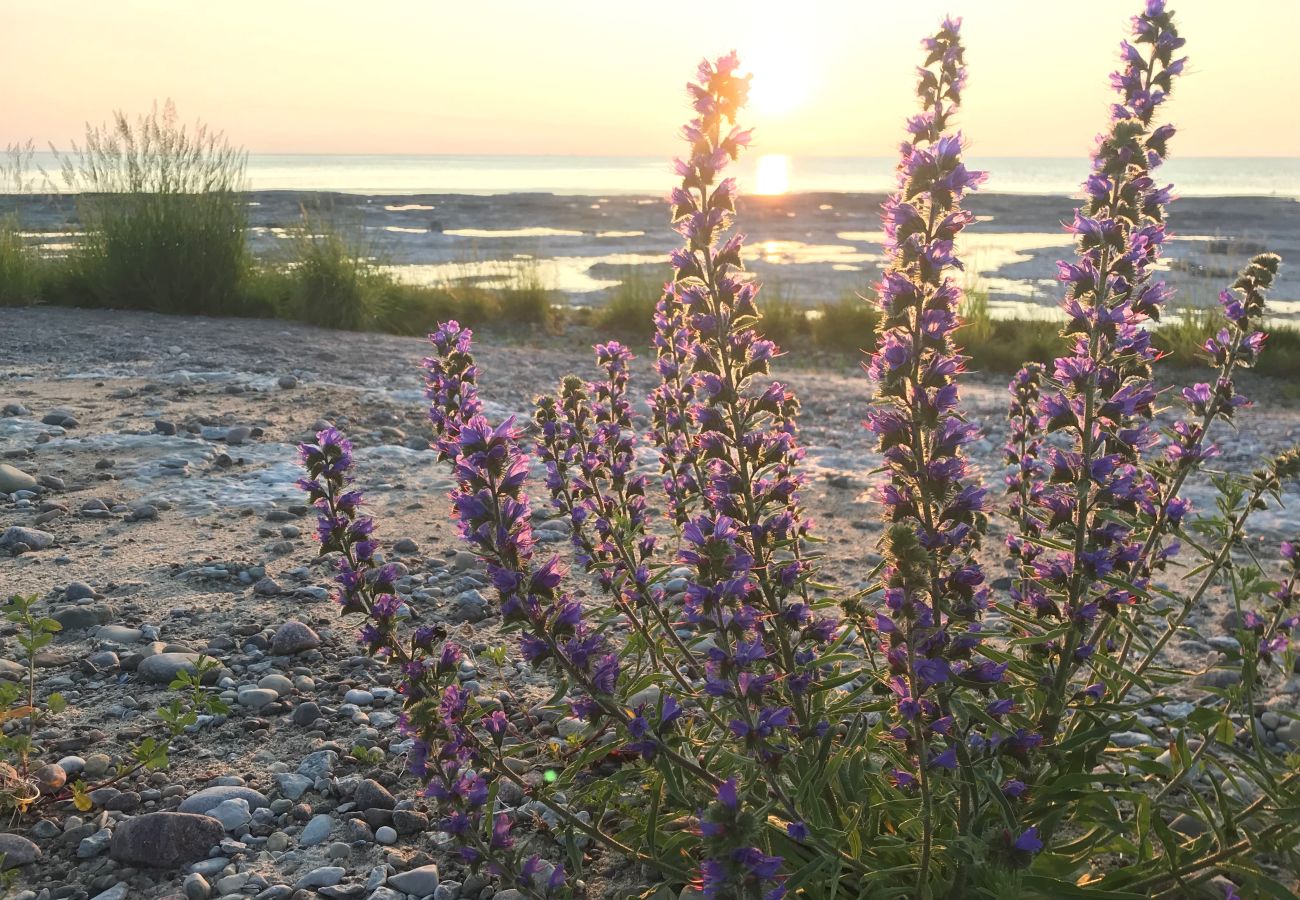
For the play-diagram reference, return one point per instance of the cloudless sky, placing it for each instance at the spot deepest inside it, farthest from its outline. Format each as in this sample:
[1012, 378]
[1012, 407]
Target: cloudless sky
[604, 77]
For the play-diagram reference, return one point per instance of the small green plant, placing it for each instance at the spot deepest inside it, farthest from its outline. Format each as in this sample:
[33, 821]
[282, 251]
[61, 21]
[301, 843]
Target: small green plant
[152, 752]
[18, 701]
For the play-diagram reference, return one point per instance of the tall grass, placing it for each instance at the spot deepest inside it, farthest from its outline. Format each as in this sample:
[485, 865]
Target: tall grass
[527, 298]
[20, 274]
[629, 309]
[165, 222]
[845, 326]
[332, 278]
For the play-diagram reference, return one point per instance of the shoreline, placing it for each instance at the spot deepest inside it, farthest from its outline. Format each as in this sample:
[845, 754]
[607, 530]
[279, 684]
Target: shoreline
[811, 246]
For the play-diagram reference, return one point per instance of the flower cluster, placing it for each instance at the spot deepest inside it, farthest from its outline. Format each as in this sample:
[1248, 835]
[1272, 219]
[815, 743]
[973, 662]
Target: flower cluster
[1100, 399]
[734, 736]
[1024, 480]
[364, 586]
[935, 591]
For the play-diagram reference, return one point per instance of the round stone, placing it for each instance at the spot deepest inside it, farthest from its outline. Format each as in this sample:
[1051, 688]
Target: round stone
[293, 637]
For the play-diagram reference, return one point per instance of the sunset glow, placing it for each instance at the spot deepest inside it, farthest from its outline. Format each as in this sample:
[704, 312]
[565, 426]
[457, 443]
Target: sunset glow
[772, 174]
[578, 79]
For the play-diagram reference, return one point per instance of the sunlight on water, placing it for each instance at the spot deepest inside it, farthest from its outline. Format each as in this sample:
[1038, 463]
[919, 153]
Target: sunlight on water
[511, 232]
[570, 274]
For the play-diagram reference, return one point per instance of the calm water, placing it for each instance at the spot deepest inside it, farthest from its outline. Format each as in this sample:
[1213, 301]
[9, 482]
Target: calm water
[384, 174]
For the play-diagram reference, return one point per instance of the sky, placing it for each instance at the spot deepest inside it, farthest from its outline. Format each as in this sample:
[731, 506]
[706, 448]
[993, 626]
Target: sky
[605, 77]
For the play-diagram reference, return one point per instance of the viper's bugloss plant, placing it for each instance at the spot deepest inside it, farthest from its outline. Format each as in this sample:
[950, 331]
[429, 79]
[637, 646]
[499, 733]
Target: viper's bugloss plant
[732, 723]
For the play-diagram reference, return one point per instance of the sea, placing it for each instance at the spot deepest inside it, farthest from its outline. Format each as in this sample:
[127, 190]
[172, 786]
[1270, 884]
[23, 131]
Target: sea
[580, 225]
[588, 175]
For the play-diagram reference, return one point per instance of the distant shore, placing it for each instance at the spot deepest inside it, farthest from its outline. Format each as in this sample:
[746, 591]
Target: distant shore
[811, 246]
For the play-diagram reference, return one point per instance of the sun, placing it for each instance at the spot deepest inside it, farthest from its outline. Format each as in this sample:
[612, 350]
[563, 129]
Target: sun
[772, 174]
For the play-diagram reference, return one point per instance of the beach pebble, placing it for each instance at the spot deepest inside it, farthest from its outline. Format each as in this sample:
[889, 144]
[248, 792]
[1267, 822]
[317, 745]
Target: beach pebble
[165, 839]
[293, 637]
[210, 798]
[325, 876]
[18, 850]
[196, 887]
[15, 537]
[162, 668]
[316, 831]
[370, 794]
[256, 698]
[13, 479]
[419, 882]
[79, 590]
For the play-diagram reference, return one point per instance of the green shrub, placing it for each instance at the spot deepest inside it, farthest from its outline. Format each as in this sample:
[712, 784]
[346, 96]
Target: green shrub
[527, 299]
[630, 308]
[847, 325]
[783, 319]
[20, 275]
[165, 222]
[333, 281]
[413, 309]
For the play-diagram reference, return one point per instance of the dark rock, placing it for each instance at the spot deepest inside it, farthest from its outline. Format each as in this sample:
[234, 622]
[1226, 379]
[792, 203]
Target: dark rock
[370, 794]
[165, 839]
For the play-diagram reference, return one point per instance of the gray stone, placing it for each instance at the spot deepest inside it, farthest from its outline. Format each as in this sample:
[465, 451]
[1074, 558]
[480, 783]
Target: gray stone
[386, 835]
[370, 794]
[196, 887]
[318, 764]
[276, 682]
[95, 844]
[118, 891]
[1188, 825]
[82, 618]
[32, 538]
[470, 606]
[385, 893]
[238, 434]
[162, 668]
[210, 798]
[325, 876]
[420, 882]
[12, 480]
[316, 831]
[78, 590]
[292, 785]
[305, 713]
[165, 839]
[18, 850]
[231, 813]
[266, 586]
[119, 634]
[256, 698]
[359, 697]
[293, 637]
